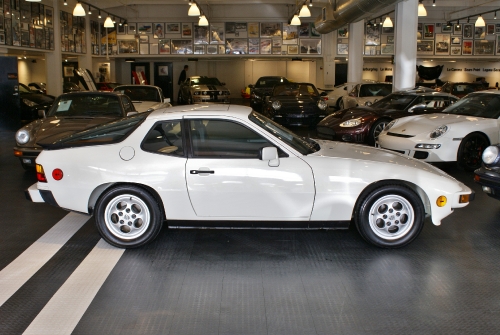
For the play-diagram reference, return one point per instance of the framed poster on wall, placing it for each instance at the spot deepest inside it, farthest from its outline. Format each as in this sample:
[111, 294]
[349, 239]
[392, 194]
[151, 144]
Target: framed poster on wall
[467, 47]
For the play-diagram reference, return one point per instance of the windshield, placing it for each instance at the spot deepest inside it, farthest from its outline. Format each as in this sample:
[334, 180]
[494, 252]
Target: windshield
[394, 101]
[485, 105]
[302, 145]
[205, 81]
[140, 93]
[295, 90]
[86, 105]
[269, 82]
[370, 90]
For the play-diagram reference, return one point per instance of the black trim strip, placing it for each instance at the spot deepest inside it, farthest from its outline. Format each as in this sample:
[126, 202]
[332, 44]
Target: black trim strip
[400, 135]
[259, 224]
[48, 198]
[27, 195]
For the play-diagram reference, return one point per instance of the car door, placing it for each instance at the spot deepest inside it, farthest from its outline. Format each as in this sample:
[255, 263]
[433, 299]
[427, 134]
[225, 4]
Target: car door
[226, 178]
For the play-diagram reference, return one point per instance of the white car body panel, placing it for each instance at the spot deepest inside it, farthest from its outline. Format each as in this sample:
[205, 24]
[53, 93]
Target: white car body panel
[359, 101]
[323, 186]
[145, 106]
[421, 126]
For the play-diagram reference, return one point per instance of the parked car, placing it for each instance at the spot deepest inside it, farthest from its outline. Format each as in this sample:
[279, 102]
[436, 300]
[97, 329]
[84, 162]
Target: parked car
[334, 97]
[145, 97]
[198, 89]
[295, 104]
[31, 102]
[69, 86]
[263, 88]
[107, 87]
[70, 113]
[364, 124]
[461, 89]
[225, 166]
[459, 133]
[38, 87]
[365, 94]
[488, 175]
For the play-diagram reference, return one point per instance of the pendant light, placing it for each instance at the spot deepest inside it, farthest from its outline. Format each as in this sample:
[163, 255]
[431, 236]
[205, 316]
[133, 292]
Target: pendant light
[480, 22]
[421, 9]
[78, 11]
[194, 10]
[304, 11]
[203, 21]
[108, 23]
[387, 23]
[295, 21]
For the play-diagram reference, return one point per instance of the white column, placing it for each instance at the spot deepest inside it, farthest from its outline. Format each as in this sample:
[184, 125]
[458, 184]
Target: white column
[53, 64]
[355, 62]
[329, 49]
[405, 43]
[85, 60]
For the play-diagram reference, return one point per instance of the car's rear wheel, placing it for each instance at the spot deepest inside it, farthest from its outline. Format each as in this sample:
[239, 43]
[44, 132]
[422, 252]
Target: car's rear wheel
[390, 216]
[470, 151]
[128, 216]
[375, 130]
[337, 104]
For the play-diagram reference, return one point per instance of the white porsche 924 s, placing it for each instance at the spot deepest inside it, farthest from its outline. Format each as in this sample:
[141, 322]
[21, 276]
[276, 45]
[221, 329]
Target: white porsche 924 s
[228, 166]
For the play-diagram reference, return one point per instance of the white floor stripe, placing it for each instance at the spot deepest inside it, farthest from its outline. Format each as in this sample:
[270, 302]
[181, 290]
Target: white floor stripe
[17, 273]
[63, 312]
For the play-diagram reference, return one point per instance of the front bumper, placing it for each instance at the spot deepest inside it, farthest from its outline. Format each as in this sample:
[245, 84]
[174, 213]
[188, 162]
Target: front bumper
[27, 155]
[297, 119]
[489, 181]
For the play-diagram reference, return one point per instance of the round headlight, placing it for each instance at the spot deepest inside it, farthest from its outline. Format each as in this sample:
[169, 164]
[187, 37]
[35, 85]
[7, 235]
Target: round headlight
[368, 103]
[322, 105]
[22, 136]
[276, 104]
[351, 123]
[438, 132]
[490, 155]
[29, 103]
[197, 93]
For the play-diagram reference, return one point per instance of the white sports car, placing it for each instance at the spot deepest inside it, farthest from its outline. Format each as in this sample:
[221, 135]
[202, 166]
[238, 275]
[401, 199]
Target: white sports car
[459, 133]
[365, 94]
[228, 166]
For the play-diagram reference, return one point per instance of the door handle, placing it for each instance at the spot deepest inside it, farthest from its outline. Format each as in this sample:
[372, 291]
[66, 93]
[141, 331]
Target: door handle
[201, 171]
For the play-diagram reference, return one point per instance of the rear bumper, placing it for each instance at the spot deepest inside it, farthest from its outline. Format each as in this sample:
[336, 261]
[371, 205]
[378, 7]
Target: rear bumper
[34, 194]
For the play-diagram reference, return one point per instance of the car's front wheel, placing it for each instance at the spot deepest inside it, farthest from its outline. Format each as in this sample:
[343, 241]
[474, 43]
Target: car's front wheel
[375, 130]
[390, 216]
[470, 151]
[128, 216]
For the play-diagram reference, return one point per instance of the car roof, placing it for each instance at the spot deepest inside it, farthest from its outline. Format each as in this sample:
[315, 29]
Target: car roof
[237, 111]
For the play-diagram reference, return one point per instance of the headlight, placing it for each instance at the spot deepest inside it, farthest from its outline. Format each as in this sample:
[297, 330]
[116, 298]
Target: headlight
[390, 125]
[29, 103]
[368, 103]
[276, 104]
[197, 93]
[438, 132]
[490, 155]
[22, 136]
[351, 123]
[322, 105]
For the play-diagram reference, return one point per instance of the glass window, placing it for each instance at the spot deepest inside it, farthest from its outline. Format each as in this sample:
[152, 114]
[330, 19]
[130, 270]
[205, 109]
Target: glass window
[165, 138]
[140, 93]
[87, 104]
[485, 105]
[395, 101]
[127, 104]
[225, 139]
[370, 90]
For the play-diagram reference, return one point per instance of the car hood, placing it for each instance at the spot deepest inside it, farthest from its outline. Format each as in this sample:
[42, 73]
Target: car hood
[348, 114]
[209, 88]
[413, 125]
[38, 98]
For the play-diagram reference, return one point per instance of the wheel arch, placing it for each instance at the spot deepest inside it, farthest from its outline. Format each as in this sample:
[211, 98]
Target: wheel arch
[474, 133]
[99, 191]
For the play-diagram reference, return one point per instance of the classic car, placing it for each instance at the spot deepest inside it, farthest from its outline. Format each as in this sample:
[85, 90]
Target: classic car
[459, 133]
[363, 124]
[107, 87]
[334, 97]
[145, 97]
[461, 89]
[295, 104]
[263, 88]
[365, 94]
[488, 175]
[229, 166]
[70, 113]
[38, 87]
[203, 89]
[31, 102]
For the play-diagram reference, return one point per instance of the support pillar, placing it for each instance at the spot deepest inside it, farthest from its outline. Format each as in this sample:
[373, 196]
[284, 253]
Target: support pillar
[405, 43]
[53, 63]
[356, 42]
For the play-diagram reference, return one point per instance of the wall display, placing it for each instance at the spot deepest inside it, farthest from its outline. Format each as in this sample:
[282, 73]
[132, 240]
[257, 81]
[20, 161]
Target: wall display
[253, 29]
[159, 30]
[236, 46]
[293, 50]
[265, 46]
[428, 31]
[342, 49]
[276, 49]
[212, 49]
[420, 26]
[200, 34]
[187, 30]
[121, 29]
[370, 50]
[49, 16]
[144, 49]
[132, 28]
[216, 34]
[128, 46]
[387, 30]
[479, 32]
[425, 47]
[270, 29]
[25, 38]
[390, 39]
[253, 46]
[468, 31]
[68, 71]
[497, 28]
[445, 28]
[236, 29]
[457, 29]
[51, 39]
[222, 49]
[144, 39]
[2, 38]
[372, 36]
[342, 32]
[181, 47]
[144, 28]
[314, 32]
[304, 30]
[455, 51]
[16, 29]
[173, 29]
[484, 47]
[1, 23]
[387, 49]
[199, 49]
[442, 44]
[164, 47]
[467, 47]
[290, 34]
[490, 29]
[310, 46]
[32, 36]
[8, 30]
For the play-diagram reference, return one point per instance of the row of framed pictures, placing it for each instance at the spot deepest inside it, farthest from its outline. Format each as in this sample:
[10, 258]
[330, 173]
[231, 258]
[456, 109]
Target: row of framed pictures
[233, 46]
[72, 33]
[465, 30]
[445, 44]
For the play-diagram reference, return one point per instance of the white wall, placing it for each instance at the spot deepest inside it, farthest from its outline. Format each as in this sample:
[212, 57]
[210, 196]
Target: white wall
[31, 72]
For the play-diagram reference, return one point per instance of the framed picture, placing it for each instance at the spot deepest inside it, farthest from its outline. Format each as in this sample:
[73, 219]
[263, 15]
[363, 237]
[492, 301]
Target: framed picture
[181, 47]
[497, 28]
[199, 49]
[216, 34]
[455, 40]
[253, 46]
[387, 49]
[187, 30]
[212, 49]
[457, 29]
[49, 16]
[343, 32]
[445, 28]
[121, 29]
[144, 28]
[1, 24]
[131, 28]
[236, 46]
[290, 34]
[128, 46]
[236, 30]
[201, 34]
[144, 49]
[390, 39]
[428, 31]
[425, 47]
[144, 39]
[270, 29]
[468, 31]
[222, 49]
[455, 51]
[153, 48]
[420, 27]
[173, 28]
[484, 47]
[342, 49]
[370, 50]
[498, 45]
[372, 36]
[164, 47]
[479, 32]
[304, 30]
[159, 30]
[293, 50]
[265, 46]
[253, 30]
[2, 38]
[163, 70]
[310, 46]
[466, 47]
[25, 38]
[68, 71]
[387, 30]
[442, 44]
[490, 29]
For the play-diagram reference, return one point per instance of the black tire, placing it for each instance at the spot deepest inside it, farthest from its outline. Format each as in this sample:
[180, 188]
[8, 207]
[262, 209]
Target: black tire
[390, 216]
[341, 104]
[337, 104]
[189, 100]
[128, 216]
[470, 151]
[375, 130]
[179, 99]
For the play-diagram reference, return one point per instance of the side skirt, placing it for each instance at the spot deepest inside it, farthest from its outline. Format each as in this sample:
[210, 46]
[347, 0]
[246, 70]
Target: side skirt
[259, 224]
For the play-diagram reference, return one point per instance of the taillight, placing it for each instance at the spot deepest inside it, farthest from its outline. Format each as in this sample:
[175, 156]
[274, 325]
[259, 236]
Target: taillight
[57, 174]
[40, 174]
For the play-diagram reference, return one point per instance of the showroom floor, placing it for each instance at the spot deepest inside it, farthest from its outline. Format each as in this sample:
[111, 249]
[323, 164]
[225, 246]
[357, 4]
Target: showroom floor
[242, 281]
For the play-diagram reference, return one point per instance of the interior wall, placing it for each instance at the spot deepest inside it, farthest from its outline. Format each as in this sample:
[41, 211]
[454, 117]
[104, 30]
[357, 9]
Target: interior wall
[31, 72]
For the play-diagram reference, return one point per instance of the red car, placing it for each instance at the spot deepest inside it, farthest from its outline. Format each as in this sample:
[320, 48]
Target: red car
[108, 87]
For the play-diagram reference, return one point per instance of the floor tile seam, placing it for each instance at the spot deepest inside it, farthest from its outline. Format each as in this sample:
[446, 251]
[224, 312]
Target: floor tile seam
[264, 296]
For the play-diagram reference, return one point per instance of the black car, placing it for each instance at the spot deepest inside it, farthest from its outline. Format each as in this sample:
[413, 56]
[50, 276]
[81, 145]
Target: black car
[262, 88]
[488, 175]
[31, 102]
[295, 104]
[70, 113]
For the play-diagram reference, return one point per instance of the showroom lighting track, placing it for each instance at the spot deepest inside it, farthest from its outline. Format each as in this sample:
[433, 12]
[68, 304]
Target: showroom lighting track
[108, 23]
[480, 20]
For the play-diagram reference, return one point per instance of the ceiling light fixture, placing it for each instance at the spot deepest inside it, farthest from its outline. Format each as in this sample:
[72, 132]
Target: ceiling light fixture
[203, 21]
[108, 23]
[194, 10]
[387, 23]
[295, 21]
[114, 20]
[310, 3]
[304, 11]
[65, 3]
[433, 3]
[480, 22]
[99, 16]
[421, 9]
[78, 11]
[90, 11]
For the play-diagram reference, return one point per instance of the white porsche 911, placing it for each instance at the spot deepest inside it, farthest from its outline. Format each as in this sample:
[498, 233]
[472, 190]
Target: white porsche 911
[459, 133]
[228, 166]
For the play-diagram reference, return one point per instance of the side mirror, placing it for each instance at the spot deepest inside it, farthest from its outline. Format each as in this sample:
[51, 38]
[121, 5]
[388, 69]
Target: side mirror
[41, 114]
[416, 107]
[269, 154]
[134, 113]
